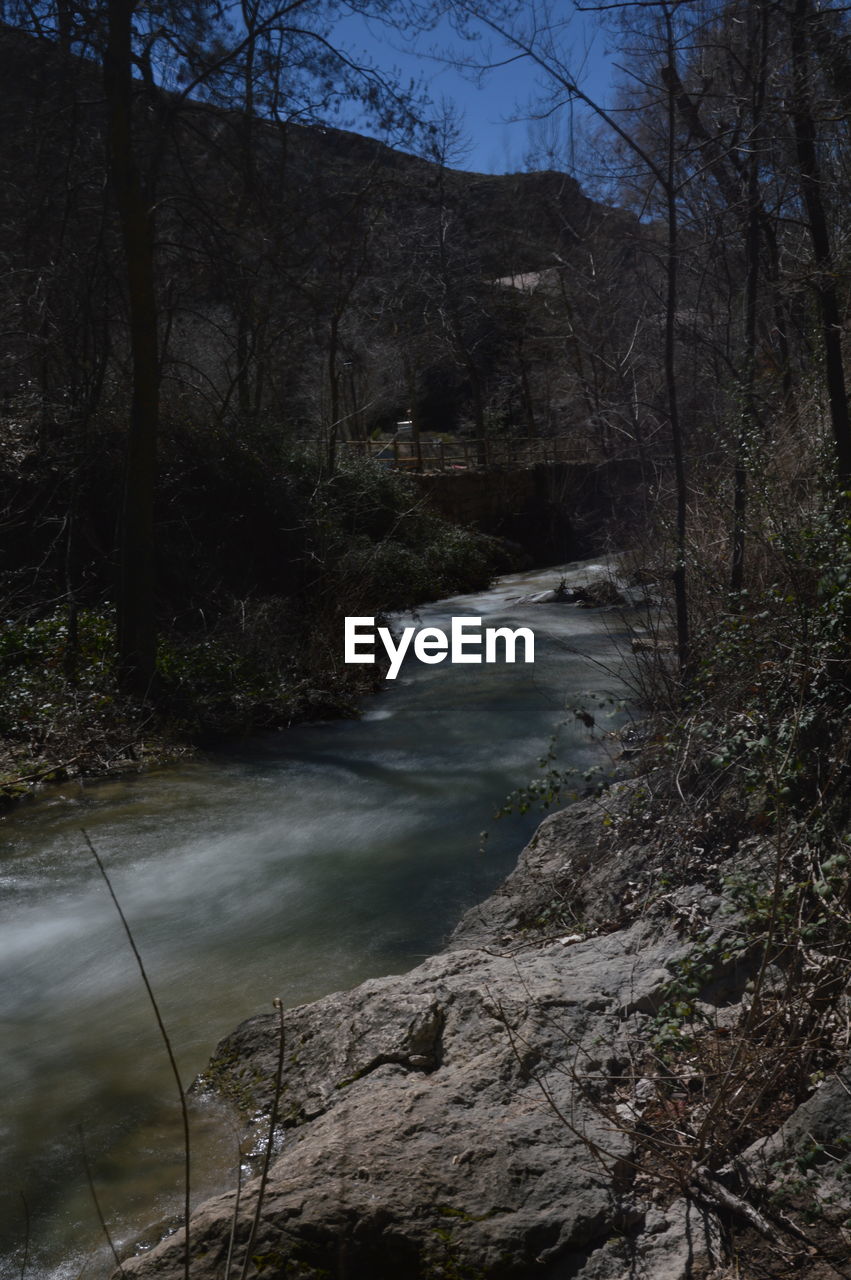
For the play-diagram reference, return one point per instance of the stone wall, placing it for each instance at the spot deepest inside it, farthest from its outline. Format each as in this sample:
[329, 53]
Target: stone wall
[555, 511]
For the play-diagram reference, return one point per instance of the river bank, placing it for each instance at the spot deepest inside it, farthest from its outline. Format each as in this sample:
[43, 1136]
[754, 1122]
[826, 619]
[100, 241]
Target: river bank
[124, 736]
[557, 1093]
[248, 623]
[92, 730]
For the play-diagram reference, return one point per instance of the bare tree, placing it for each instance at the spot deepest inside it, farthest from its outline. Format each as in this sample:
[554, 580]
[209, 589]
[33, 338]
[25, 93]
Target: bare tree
[536, 34]
[155, 65]
[802, 19]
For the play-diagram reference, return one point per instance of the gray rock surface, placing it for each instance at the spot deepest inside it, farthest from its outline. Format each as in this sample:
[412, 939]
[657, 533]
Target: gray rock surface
[444, 1123]
[805, 1166]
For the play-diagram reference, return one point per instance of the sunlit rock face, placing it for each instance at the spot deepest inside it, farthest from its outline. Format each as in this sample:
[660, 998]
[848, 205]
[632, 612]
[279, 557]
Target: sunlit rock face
[444, 1122]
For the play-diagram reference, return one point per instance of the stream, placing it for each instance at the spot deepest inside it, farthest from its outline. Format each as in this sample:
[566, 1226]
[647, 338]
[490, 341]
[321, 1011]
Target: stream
[292, 865]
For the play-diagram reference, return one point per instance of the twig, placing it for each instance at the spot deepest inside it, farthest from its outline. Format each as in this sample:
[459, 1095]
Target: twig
[39, 773]
[270, 1141]
[232, 1236]
[26, 1256]
[93, 1192]
[166, 1041]
[717, 1196]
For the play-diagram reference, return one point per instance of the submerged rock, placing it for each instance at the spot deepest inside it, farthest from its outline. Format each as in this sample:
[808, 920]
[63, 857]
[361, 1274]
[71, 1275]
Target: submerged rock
[598, 592]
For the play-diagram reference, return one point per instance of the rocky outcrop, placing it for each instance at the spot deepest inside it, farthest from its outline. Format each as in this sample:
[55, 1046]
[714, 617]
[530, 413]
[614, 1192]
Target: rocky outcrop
[460, 1121]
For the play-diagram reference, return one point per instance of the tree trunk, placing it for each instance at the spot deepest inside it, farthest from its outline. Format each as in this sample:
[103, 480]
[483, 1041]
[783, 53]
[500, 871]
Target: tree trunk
[754, 214]
[136, 624]
[334, 392]
[671, 302]
[809, 177]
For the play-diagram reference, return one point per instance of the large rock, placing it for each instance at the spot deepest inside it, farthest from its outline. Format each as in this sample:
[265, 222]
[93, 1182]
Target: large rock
[445, 1123]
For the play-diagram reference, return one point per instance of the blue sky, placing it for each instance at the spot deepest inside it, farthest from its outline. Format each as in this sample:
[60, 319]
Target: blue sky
[498, 143]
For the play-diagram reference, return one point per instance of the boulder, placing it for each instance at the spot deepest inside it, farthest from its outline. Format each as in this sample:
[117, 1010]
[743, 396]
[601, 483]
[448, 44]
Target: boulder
[432, 1121]
[456, 1122]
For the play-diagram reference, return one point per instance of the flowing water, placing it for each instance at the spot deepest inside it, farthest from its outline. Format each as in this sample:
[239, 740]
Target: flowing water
[291, 866]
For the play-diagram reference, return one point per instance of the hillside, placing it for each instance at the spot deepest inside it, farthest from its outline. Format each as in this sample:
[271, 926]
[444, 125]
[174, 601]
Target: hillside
[294, 246]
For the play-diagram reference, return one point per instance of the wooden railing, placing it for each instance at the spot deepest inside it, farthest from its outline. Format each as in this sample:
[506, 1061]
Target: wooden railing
[467, 455]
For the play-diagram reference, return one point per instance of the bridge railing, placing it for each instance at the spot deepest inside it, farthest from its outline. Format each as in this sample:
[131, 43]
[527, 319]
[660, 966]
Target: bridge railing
[428, 454]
